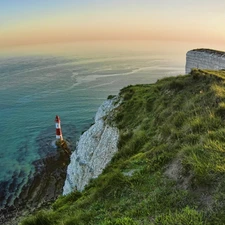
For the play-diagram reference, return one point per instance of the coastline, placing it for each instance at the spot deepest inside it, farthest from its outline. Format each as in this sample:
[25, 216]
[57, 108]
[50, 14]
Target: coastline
[41, 189]
[50, 179]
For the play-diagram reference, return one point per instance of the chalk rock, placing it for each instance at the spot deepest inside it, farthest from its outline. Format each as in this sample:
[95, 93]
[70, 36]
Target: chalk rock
[94, 151]
[205, 59]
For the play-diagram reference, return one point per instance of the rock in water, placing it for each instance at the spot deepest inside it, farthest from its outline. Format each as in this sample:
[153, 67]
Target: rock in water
[94, 151]
[41, 189]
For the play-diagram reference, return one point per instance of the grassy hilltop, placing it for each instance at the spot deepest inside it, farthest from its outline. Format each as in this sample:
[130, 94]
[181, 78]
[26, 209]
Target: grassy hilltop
[170, 167]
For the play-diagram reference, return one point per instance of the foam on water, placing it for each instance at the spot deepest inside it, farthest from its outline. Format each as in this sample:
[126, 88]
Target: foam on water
[34, 89]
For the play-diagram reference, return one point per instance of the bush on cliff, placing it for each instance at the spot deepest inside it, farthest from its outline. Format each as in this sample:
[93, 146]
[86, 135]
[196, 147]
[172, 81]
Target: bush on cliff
[170, 167]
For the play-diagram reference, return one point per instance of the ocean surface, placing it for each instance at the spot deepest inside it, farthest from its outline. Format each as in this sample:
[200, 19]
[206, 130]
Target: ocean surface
[36, 88]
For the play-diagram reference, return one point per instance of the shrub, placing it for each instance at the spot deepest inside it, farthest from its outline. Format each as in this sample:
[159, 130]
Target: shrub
[200, 161]
[41, 218]
[124, 137]
[187, 216]
[128, 95]
[111, 97]
[150, 103]
[197, 125]
[132, 146]
[68, 199]
[179, 118]
[220, 111]
[119, 221]
[176, 85]
[79, 218]
[111, 185]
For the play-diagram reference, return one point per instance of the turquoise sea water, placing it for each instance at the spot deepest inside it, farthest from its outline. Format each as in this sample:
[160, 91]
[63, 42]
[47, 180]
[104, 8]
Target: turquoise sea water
[33, 89]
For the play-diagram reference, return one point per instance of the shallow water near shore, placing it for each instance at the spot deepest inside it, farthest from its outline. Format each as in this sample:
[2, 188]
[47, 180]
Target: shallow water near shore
[34, 88]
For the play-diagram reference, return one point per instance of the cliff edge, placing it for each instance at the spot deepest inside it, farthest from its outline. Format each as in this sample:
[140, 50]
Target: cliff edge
[166, 146]
[94, 151]
[205, 59]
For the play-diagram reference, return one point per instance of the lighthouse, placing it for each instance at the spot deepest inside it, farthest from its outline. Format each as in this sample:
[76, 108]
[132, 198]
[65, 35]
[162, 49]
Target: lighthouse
[58, 129]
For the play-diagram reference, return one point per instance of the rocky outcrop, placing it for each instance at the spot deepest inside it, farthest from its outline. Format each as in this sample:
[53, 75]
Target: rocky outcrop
[94, 151]
[41, 189]
[205, 59]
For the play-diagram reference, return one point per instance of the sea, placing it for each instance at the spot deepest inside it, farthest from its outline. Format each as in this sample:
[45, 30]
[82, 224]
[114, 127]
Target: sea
[70, 81]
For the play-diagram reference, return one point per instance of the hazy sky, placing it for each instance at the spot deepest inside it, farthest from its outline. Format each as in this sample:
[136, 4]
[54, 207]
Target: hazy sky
[25, 22]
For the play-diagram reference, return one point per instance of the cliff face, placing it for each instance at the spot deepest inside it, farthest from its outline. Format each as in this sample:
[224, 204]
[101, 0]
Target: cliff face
[205, 59]
[95, 149]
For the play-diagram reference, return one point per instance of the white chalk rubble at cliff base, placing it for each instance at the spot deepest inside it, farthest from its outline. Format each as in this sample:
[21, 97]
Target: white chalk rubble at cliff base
[94, 151]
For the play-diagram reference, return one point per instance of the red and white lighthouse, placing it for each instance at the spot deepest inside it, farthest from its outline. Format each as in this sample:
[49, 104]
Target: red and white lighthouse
[58, 129]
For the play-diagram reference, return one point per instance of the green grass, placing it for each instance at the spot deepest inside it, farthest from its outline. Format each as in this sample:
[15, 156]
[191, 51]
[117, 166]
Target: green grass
[176, 124]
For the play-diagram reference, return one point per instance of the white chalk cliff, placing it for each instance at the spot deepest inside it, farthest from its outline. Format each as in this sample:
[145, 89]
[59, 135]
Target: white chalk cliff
[94, 151]
[205, 59]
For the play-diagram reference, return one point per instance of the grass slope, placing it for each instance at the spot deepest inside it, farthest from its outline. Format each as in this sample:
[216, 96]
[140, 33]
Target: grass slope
[170, 167]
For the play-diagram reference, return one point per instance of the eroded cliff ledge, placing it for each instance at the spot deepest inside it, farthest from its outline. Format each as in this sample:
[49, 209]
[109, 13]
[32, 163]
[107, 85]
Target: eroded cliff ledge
[205, 59]
[95, 149]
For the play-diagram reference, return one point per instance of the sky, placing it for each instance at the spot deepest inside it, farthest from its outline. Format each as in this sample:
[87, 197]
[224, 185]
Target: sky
[32, 22]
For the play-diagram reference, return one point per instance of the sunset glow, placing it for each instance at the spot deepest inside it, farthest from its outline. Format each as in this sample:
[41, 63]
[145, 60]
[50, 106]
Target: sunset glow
[38, 22]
